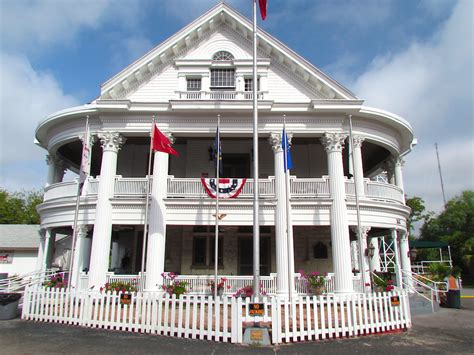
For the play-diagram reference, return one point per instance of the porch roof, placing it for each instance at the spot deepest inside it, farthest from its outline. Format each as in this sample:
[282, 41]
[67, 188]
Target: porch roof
[424, 244]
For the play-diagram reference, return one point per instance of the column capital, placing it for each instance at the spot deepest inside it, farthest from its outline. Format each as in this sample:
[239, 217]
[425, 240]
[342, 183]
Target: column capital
[357, 141]
[364, 230]
[397, 161]
[275, 140]
[333, 142]
[82, 231]
[92, 139]
[42, 234]
[51, 159]
[111, 141]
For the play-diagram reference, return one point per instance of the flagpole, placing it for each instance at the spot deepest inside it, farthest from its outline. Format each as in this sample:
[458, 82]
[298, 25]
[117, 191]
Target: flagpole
[76, 212]
[359, 227]
[216, 241]
[256, 222]
[291, 280]
[145, 227]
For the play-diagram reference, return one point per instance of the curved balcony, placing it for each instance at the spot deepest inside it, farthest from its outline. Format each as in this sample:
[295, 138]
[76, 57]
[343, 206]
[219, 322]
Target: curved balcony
[191, 188]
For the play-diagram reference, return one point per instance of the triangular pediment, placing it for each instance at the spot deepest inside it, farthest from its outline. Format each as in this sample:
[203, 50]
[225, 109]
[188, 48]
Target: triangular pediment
[223, 28]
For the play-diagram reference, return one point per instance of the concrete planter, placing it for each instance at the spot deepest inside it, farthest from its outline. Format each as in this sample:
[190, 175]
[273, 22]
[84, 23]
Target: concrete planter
[9, 305]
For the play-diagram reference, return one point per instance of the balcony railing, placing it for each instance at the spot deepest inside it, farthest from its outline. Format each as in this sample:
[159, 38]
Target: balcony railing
[306, 188]
[218, 95]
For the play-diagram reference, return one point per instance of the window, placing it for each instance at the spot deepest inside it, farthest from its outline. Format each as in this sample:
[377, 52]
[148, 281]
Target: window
[320, 251]
[203, 247]
[193, 84]
[249, 84]
[223, 78]
[222, 56]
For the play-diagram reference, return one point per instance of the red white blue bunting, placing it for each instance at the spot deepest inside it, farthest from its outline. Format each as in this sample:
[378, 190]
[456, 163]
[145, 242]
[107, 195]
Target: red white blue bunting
[228, 188]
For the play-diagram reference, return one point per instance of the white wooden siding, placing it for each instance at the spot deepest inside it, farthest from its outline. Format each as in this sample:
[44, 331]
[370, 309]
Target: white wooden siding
[161, 87]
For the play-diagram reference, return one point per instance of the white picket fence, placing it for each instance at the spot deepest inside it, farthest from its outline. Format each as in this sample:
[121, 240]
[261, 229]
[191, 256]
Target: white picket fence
[223, 319]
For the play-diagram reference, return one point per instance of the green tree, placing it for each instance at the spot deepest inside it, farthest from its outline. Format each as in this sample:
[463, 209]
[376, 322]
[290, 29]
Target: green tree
[455, 225]
[418, 213]
[19, 207]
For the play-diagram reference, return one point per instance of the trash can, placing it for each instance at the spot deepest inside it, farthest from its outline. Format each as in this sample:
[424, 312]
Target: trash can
[453, 297]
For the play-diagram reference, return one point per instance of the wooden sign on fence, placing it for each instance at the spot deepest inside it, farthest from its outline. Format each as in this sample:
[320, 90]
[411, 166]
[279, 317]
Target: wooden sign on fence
[395, 300]
[256, 310]
[125, 298]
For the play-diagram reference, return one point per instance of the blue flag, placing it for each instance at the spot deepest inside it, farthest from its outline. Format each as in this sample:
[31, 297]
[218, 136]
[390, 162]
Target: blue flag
[217, 152]
[288, 163]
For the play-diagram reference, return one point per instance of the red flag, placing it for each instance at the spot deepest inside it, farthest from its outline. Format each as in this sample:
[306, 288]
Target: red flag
[263, 8]
[161, 143]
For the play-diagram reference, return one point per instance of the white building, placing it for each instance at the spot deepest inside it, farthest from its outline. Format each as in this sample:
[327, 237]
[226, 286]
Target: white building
[203, 71]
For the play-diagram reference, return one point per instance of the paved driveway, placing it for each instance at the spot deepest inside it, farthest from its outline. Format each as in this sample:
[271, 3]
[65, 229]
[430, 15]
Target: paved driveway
[450, 331]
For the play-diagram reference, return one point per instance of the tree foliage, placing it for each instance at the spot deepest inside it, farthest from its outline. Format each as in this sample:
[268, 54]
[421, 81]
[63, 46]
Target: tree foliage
[19, 207]
[455, 225]
[418, 213]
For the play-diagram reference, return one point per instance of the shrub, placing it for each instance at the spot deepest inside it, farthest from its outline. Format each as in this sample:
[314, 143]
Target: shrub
[118, 286]
[175, 287]
[56, 281]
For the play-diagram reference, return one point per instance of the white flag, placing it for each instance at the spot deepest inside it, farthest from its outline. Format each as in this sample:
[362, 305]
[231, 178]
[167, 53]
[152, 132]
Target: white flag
[85, 169]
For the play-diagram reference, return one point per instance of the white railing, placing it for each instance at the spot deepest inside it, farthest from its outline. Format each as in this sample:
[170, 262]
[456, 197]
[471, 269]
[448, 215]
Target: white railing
[309, 188]
[192, 188]
[423, 267]
[218, 95]
[222, 318]
[60, 190]
[422, 286]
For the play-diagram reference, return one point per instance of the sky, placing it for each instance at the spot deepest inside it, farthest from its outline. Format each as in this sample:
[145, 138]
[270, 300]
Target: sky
[411, 57]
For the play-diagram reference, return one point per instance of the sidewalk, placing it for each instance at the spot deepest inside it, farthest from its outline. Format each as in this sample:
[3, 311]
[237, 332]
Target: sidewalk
[448, 331]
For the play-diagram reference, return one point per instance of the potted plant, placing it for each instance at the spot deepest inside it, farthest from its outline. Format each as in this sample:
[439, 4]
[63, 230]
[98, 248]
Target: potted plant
[56, 281]
[315, 281]
[247, 291]
[220, 286]
[118, 286]
[382, 282]
[174, 286]
[9, 305]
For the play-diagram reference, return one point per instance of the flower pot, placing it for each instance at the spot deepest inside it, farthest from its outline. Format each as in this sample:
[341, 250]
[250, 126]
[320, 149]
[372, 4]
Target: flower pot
[318, 290]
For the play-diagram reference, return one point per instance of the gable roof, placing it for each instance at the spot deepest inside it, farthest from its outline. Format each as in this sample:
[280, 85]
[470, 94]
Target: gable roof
[19, 236]
[165, 53]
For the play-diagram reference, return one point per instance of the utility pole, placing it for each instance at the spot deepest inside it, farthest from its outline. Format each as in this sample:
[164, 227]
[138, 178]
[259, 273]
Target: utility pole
[440, 175]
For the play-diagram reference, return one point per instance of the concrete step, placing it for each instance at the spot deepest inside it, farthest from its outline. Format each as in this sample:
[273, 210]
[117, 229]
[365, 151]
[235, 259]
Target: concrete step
[420, 305]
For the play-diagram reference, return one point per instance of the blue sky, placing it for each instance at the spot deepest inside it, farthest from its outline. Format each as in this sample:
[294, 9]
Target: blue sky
[411, 57]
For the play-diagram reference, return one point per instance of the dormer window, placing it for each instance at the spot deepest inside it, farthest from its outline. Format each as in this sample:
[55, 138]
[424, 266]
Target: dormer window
[223, 79]
[193, 84]
[222, 56]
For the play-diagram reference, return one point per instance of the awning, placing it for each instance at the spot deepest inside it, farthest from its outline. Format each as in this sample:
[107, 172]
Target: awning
[424, 244]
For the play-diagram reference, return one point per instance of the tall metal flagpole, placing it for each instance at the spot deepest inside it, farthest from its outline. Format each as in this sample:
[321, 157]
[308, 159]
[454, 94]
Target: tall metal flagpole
[256, 222]
[216, 241]
[291, 276]
[76, 212]
[359, 227]
[440, 175]
[145, 227]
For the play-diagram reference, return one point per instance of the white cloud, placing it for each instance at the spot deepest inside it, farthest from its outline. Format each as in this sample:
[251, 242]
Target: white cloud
[362, 14]
[32, 25]
[26, 97]
[431, 85]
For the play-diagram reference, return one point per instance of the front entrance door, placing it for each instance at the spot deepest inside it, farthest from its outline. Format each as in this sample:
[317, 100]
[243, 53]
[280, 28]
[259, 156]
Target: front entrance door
[246, 256]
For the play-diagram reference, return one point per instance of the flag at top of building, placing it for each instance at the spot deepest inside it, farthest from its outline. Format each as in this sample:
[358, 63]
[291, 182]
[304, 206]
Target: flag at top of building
[288, 163]
[161, 143]
[263, 8]
[85, 168]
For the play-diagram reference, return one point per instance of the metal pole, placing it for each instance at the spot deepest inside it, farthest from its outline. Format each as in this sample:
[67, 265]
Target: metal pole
[256, 222]
[216, 241]
[145, 227]
[440, 174]
[289, 243]
[359, 227]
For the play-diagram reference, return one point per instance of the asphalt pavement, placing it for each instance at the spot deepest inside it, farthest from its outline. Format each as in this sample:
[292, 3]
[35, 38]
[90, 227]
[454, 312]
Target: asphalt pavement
[449, 331]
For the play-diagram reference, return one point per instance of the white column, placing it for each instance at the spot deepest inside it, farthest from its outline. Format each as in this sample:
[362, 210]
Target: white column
[41, 250]
[60, 170]
[155, 259]
[405, 259]
[397, 257]
[358, 166]
[355, 254]
[341, 249]
[364, 261]
[78, 263]
[87, 252]
[48, 247]
[375, 260]
[281, 240]
[51, 162]
[398, 163]
[111, 143]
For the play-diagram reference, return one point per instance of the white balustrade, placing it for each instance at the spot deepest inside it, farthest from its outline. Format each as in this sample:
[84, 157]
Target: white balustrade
[309, 187]
[60, 190]
[381, 191]
[217, 95]
[130, 186]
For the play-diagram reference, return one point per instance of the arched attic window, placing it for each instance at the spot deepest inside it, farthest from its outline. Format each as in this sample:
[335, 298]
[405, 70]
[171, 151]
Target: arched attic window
[222, 56]
[222, 78]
